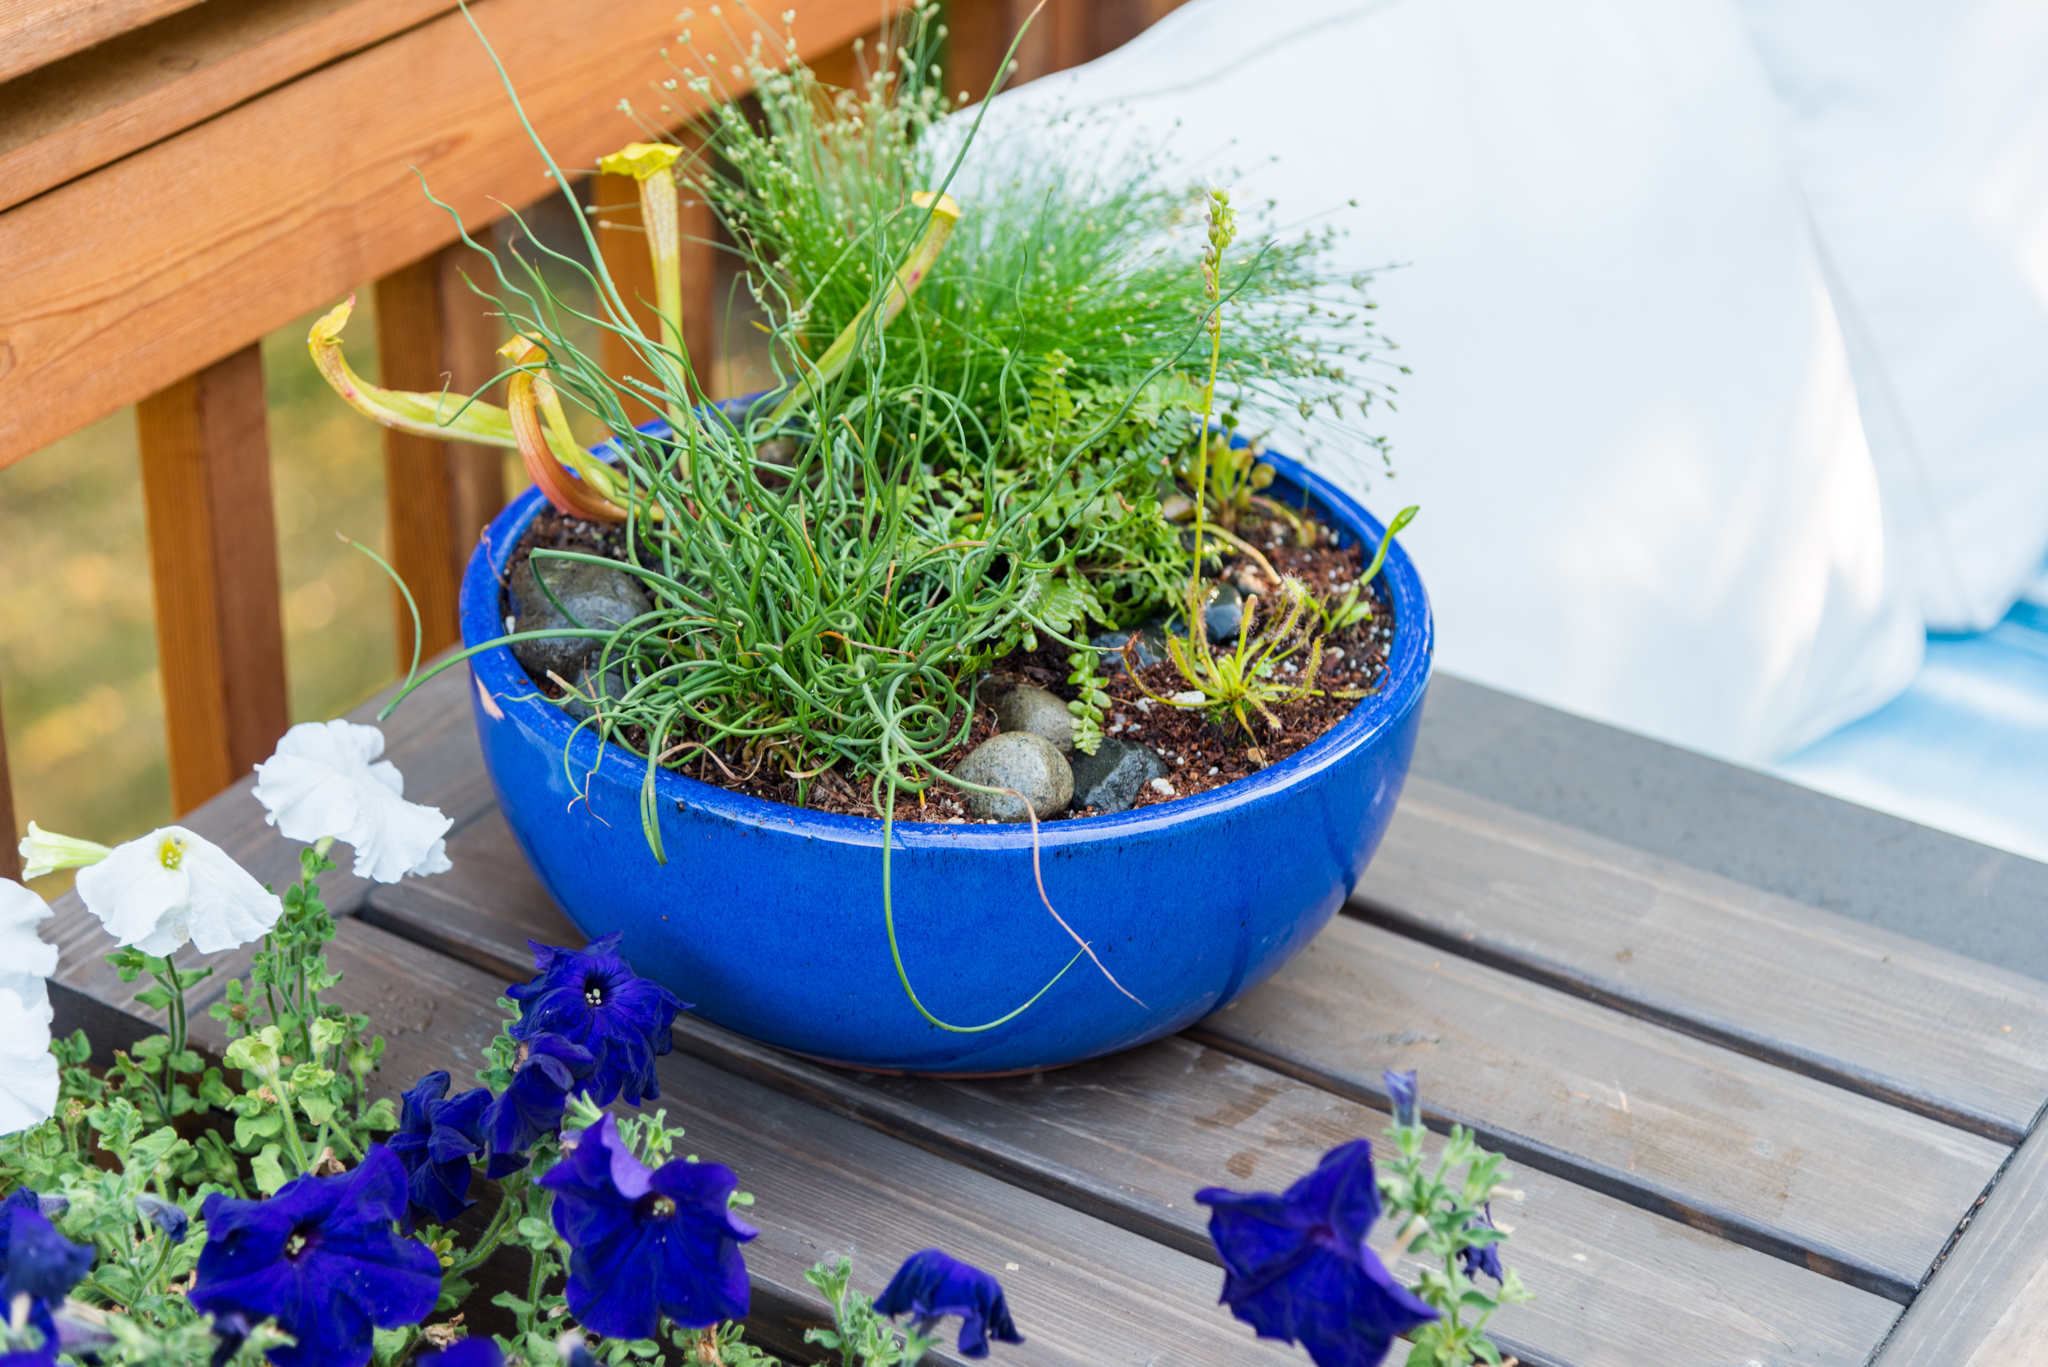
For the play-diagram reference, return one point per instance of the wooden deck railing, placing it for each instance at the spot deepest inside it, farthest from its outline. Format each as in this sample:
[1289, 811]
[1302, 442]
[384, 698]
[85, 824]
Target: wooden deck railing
[178, 179]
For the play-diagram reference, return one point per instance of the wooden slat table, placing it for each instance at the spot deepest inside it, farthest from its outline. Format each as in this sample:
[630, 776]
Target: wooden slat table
[1750, 1131]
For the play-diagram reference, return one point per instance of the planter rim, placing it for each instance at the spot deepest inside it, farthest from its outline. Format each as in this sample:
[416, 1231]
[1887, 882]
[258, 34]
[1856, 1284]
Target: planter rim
[505, 685]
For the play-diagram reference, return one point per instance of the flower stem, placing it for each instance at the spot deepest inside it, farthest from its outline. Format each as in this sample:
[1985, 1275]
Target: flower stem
[536, 1277]
[291, 1123]
[509, 1204]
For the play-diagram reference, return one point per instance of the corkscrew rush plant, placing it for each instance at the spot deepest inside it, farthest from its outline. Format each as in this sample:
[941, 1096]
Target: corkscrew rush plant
[934, 483]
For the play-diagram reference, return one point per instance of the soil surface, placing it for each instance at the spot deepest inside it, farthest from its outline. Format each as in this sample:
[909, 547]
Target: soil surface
[1201, 754]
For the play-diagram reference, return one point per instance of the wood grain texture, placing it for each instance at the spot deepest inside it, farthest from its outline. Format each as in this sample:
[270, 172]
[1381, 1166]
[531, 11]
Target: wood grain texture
[1870, 866]
[1754, 1153]
[1808, 989]
[1987, 1303]
[213, 563]
[43, 31]
[61, 121]
[485, 912]
[1128, 1139]
[287, 201]
[1082, 1291]
[432, 1012]
[471, 333]
[432, 329]
[1065, 34]
[977, 34]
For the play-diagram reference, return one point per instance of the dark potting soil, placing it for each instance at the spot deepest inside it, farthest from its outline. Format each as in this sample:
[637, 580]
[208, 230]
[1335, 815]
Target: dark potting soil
[1200, 754]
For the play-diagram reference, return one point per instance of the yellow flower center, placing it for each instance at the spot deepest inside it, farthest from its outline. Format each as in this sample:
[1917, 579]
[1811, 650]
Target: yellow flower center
[171, 853]
[662, 1208]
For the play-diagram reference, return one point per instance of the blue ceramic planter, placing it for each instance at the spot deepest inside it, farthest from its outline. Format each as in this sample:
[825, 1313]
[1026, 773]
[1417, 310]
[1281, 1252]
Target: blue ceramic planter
[769, 917]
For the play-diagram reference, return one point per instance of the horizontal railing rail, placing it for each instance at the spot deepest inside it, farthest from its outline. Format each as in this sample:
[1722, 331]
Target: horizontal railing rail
[178, 179]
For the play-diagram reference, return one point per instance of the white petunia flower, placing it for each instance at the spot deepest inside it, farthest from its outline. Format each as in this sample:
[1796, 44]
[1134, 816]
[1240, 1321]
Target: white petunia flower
[326, 780]
[25, 961]
[45, 852]
[28, 1070]
[172, 886]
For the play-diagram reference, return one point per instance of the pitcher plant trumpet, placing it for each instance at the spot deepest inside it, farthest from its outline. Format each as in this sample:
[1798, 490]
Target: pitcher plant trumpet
[941, 214]
[596, 493]
[652, 164]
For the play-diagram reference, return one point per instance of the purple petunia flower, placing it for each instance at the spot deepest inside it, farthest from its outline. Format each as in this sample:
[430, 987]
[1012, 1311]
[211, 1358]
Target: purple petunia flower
[323, 1258]
[1401, 1091]
[169, 1218]
[646, 1242]
[435, 1139]
[592, 997]
[1487, 1259]
[39, 1263]
[1297, 1267]
[931, 1285]
[532, 1103]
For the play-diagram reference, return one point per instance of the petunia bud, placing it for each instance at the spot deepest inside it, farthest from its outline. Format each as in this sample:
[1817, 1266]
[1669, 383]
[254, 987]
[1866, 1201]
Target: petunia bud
[167, 1217]
[1401, 1091]
[256, 1053]
[45, 852]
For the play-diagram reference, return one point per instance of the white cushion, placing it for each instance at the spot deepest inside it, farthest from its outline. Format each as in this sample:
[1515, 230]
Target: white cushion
[1920, 132]
[1646, 495]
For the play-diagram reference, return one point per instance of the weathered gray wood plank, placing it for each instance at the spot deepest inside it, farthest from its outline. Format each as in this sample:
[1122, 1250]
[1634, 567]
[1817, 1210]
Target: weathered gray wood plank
[484, 911]
[1129, 1139]
[426, 1007]
[1987, 1303]
[1755, 1153]
[1083, 1291]
[1808, 989]
[1871, 866]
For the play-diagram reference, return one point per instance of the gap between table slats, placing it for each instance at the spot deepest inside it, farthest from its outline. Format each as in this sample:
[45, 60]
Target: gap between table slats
[1867, 1010]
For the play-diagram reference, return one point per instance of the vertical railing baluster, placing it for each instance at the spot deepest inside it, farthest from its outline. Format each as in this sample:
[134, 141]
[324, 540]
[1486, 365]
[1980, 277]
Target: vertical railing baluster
[10, 854]
[471, 333]
[435, 334]
[213, 559]
[977, 34]
[1065, 34]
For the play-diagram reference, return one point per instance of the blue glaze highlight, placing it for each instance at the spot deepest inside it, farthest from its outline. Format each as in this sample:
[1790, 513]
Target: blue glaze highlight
[769, 917]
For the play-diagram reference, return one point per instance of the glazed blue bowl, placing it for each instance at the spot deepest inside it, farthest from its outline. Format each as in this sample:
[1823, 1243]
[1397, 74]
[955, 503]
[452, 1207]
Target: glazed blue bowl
[769, 917]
